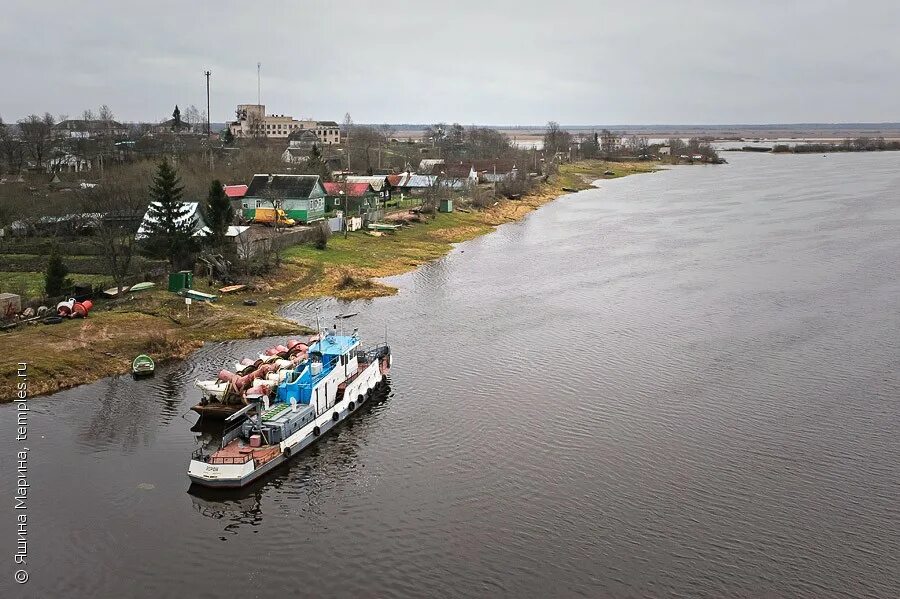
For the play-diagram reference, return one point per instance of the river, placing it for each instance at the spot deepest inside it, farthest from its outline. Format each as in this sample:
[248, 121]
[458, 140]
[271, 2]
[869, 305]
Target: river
[682, 384]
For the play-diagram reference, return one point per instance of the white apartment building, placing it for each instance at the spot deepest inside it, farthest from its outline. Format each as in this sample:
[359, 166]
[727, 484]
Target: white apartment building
[252, 121]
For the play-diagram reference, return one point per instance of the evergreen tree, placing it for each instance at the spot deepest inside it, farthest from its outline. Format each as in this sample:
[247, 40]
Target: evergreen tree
[176, 119]
[227, 137]
[219, 213]
[315, 163]
[169, 230]
[55, 280]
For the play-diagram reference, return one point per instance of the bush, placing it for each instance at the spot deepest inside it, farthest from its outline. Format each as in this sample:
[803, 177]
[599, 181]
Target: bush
[348, 281]
[55, 277]
[320, 235]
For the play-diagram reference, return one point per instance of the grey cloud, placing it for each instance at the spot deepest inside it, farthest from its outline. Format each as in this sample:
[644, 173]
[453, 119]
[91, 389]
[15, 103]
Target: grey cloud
[578, 62]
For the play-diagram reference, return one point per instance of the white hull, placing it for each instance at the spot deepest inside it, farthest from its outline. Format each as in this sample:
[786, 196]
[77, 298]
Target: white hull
[332, 414]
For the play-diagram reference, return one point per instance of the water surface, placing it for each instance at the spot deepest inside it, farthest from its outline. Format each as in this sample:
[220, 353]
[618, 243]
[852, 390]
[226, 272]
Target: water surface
[679, 384]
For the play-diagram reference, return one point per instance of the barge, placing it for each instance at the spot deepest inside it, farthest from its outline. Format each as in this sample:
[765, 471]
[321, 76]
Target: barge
[334, 377]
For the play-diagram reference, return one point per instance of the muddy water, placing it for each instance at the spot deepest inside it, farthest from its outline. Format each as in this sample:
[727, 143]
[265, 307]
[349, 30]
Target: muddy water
[679, 384]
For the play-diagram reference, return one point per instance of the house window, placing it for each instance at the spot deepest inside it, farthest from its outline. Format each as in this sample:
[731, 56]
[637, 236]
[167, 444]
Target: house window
[337, 201]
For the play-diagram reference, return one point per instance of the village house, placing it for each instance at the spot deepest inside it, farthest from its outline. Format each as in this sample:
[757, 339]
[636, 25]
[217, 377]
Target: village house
[237, 236]
[193, 217]
[68, 162]
[235, 194]
[82, 129]
[170, 126]
[351, 198]
[379, 183]
[458, 174]
[494, 171]
[252, 121]
[427, 165]
[302, 197]
[300, 145]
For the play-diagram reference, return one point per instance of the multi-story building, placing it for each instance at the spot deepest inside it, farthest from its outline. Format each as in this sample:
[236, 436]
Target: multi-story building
[252, 121]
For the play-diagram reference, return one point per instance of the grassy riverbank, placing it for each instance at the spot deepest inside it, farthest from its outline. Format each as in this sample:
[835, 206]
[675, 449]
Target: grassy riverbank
[81, 351]
[346, 268]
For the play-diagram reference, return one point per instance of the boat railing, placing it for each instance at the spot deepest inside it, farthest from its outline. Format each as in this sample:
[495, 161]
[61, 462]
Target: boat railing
[203, 456]
[240, 459]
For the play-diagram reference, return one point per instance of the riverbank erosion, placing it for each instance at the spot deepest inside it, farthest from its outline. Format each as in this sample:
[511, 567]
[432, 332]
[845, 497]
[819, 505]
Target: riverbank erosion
[76, 352]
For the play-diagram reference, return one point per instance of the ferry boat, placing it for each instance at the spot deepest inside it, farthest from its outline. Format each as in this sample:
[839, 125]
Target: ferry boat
[333, 380]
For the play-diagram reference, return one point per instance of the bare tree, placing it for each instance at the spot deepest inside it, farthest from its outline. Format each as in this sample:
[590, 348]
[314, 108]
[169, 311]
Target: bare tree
[105, 115]
[11, 148]
[556, 139]
[346, 132]
[387, 133]
[37, 136]
[194, 117]
[432, 195]
[115, 205]
[435, 134]
[255, 127]
[88, 115]
[367, 139]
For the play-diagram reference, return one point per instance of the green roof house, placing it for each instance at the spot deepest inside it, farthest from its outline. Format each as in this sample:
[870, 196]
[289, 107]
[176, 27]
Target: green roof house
[302, 197]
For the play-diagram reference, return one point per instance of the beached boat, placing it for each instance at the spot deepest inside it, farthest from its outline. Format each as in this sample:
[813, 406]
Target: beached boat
[142, 286]
[383, 227]
[329, 383]
[114, 291]
[143, 365]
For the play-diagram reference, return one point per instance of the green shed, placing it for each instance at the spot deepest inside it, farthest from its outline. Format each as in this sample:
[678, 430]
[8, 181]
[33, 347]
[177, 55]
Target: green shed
[446, 205]
[183, 279]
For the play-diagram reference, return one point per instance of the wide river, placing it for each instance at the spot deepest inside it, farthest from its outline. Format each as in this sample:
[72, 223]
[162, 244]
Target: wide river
[684, 384]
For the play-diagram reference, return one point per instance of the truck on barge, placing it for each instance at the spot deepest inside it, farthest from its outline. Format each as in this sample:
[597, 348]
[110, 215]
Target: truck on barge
[333, 380]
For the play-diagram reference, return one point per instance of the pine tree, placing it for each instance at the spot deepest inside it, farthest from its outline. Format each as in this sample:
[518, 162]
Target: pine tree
[169, 230]
[55, 281]
[315, 163]
[219, 213]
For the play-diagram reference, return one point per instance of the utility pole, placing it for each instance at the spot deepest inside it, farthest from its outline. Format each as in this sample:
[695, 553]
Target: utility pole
[258, 67]
[207, 103]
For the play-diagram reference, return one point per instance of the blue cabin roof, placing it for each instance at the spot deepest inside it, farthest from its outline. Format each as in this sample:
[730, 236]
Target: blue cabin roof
[334, 345]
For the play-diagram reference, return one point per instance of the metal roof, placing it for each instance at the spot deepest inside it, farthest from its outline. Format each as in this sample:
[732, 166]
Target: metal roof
[353, 190]
[290, 186]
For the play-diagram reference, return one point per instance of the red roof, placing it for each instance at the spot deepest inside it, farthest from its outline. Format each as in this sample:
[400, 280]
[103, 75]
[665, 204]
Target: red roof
[353, 190]
[235, 191]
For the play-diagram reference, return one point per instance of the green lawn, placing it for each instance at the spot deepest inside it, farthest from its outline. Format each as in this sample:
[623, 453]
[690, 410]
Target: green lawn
[31, 284]
[411, 245]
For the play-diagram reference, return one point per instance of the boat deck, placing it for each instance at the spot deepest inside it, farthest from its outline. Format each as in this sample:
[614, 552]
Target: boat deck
[236, 453]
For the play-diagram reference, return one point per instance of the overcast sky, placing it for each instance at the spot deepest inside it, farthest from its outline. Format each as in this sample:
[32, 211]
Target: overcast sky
[474, 62]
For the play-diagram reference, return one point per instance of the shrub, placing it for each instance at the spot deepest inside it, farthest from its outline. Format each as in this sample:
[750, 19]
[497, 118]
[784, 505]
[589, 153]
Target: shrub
[320, 235]
[56, 281]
